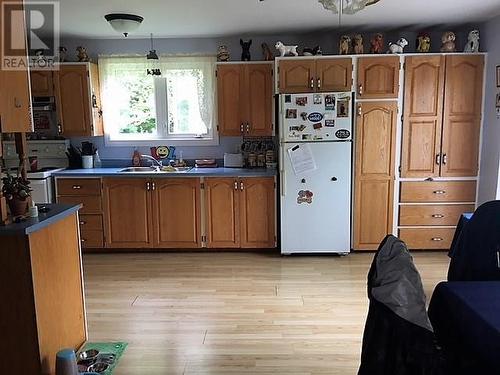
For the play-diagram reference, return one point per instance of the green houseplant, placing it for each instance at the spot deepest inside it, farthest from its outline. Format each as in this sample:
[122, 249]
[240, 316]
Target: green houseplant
[16, 191]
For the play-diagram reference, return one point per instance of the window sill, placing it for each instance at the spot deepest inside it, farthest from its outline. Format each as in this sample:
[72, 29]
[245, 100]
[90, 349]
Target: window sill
[194, 142]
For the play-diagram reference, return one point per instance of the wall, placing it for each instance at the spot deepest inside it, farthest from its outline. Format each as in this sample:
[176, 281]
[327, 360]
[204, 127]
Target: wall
[489, 184]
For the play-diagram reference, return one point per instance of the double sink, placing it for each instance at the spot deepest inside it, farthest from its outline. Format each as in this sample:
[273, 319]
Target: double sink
[148, 170]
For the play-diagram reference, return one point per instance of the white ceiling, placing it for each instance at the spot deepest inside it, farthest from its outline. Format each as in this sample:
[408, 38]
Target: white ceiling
[209, 18]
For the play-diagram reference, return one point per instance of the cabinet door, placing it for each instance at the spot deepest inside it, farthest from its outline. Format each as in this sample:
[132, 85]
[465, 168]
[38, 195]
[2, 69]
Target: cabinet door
[176, 213]
[230, 82]
[42, 83]
[127, 218]
[95, 96]
[73, 100]
[257, 212]
[378, 77]
[296, 76]
[423, 109]
[462, 115]
[333, 75]
[374, 174]
[222, 206]
[257, 100]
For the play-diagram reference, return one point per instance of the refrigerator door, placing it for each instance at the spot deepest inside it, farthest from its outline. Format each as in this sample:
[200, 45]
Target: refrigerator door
[320, 117]
[316, 206]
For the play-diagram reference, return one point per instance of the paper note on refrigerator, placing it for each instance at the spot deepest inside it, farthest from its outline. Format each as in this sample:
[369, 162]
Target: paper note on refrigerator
[302, 159]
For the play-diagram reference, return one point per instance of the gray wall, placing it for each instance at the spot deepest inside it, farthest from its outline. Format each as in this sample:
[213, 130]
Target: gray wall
[489, 177]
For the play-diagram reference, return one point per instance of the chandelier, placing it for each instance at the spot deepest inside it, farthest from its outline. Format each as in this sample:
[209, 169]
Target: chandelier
[346, 6]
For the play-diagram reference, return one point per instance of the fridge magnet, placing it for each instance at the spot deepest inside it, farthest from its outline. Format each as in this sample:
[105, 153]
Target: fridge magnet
[305, 196]
[298, 128]
[303, 115]
[342, 134]
[306, 137]
[317, 126]
[318, 138]
[288, 98]
[498, 101]
[343, 108]
[330, 102]
[293, 135]
[291, 113]
[315, 117]
[318, 99]
[301, 101]
[498, 75]
[329, 123]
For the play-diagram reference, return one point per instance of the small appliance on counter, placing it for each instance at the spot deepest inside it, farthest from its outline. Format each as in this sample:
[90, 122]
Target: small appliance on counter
[205, 163]
[233, 160]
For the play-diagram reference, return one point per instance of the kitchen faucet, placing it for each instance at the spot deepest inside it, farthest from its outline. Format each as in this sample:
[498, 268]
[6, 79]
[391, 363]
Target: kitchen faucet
[153, 161]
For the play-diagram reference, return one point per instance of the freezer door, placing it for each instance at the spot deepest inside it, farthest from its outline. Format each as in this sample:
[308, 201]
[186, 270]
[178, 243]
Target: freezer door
[316, 206]
[321, 117]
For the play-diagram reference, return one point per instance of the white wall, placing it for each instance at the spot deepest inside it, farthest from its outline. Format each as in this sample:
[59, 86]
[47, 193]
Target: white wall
[489, 186]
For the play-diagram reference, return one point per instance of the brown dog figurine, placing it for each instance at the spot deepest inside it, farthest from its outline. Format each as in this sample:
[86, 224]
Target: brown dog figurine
[266, 52]
[357, 44]
[344, 45]
[377, 43]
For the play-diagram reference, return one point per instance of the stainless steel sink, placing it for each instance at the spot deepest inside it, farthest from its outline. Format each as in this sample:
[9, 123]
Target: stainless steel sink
[155, 170]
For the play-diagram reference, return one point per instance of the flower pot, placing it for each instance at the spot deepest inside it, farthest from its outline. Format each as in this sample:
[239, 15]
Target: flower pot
[18, 206]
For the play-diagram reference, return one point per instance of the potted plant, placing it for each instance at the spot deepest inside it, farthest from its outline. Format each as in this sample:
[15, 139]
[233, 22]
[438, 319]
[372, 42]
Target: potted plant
[16, 191]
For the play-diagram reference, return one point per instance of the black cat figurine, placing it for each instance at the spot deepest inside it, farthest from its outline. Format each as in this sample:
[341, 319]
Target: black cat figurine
[245, 54]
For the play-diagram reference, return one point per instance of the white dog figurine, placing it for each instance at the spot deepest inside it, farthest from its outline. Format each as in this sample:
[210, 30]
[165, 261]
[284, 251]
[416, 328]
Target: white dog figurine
[472, 45]
[286, 50]
[398, 47]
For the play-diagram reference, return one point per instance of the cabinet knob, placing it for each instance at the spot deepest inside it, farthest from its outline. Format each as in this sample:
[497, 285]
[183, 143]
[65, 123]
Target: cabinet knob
[235, 185]
[439, 192]
[76, 187]
[360, 90]
[241, 128]
[360, 110]
[148, 186]
[83, 240]
[438, 216]
[153, 186]
[445, 159]
[248, 127]
[242, 186]
[438, 159]
[83, 222]
[318, 83]
[311, 84]
[436, 239]
[17, 103]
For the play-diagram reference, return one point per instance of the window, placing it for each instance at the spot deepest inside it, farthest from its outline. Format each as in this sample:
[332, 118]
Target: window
[141, 109]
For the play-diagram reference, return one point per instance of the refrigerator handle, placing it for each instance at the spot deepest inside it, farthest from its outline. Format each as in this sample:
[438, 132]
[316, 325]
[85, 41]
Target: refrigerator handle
[283, 183]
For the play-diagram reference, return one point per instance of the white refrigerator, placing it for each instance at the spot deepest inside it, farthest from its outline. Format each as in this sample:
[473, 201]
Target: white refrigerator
[315, 172]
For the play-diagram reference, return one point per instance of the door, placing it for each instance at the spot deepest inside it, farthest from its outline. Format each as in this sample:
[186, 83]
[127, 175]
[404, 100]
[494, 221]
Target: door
[333, 75]
[462, 115]
[127, 218]
[378, 77]
[73, 100]
[176, 213]
[222, 210]
[42, 83]
[230, 82]
[257, 100]
[319, 222]
[297, 76]
[374, 174]
[257, 212]
[423, 110]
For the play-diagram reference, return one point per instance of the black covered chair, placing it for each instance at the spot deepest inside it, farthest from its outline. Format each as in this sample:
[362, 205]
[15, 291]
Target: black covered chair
[398, 337]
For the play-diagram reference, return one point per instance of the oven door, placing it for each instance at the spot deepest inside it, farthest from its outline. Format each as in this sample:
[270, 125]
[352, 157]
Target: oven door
[42, 190]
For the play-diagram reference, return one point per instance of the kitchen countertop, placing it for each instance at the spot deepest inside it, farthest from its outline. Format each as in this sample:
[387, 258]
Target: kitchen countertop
[195, 172]
[57, 212]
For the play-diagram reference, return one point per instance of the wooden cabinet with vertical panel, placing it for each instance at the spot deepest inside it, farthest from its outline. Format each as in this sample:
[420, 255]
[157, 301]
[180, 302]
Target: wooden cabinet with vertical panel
[374, 173]
[78, 100]
[257, 100]
[297, 76]
[42, 83]
[229, 90]
[378, 77]
[333, 75]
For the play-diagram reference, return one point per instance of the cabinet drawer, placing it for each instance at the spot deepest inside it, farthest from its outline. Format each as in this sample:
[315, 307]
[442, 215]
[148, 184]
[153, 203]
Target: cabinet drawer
[438, 191]
[90, 222]
[433, 215]
[91, 204]
[92, 238]
[79, 186]
[427, 238]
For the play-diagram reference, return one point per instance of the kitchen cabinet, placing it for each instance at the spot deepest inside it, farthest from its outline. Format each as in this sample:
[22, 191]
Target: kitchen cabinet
[315, 75]
[240, 212]
[78, 100]
[378, 77]
[42, 83]
[374, 173]
[245, 99]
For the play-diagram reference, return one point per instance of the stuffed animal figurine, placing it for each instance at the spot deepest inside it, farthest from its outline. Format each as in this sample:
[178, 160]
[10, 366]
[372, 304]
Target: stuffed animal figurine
[223, 53]
[448, 42]
[357, 44]
[344, 45]
[398, 47]
[81, 54]
[286, 50]
[307, 51]
[245, 53]
[63, 51]
[377, 43]
[266, 52]
[472, 45]
[423, 43]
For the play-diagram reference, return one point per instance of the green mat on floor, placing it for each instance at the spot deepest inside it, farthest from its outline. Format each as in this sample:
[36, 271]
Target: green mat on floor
[116, 348]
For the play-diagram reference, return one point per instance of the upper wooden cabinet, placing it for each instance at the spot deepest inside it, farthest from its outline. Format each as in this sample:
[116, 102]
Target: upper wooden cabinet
[42, 83]
[378, 77]
[78, 100]
[315, 75]
[245, 99]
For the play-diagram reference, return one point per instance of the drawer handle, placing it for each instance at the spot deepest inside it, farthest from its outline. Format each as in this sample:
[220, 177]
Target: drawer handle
[76, 187]
[83, 222]
[437, 239]
[438, 216]
[439, 191]
[83, 240]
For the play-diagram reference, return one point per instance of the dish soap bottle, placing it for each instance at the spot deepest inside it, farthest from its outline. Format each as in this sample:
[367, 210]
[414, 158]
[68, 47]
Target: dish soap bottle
[136, 158]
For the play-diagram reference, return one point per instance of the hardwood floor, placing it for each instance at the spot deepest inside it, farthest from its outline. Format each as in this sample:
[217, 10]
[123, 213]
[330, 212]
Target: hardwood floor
[235, 313]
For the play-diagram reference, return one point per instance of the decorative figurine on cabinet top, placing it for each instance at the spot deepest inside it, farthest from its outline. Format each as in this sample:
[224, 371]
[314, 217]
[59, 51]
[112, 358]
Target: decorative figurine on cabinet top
[377, 43]
[398, 47]
[81, 54]
[472, 45]
[223, 54]
[344, 45]
[357, 44]
[266, 52]
[63, 51]
[423, 42]
[245, 53]
[307, 51]
[286, 50]
[448, 42]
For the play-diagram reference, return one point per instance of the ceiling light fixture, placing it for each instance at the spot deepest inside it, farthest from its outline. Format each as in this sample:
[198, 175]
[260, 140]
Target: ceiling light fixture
[346, 6]
[124, 23]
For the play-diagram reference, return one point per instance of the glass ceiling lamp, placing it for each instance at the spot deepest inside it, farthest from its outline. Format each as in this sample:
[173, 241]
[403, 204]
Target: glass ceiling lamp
[153, 61]
[346, 6]
[124, 23]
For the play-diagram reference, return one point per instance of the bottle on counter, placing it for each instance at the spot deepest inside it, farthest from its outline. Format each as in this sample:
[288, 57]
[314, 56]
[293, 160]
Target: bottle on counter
[136, 158]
